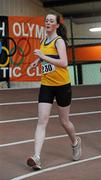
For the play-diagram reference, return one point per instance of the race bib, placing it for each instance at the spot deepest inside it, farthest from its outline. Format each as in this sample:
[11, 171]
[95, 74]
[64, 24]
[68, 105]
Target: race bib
[47, 68]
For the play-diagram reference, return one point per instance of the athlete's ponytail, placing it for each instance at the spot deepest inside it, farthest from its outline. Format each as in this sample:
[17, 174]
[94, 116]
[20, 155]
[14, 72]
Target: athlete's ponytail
[62, 31]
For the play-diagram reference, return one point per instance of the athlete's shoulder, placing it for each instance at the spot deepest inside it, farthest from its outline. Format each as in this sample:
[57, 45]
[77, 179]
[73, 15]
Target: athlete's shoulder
[59, 40]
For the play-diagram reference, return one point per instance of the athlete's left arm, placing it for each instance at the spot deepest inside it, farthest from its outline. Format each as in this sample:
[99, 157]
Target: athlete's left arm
[61, 48]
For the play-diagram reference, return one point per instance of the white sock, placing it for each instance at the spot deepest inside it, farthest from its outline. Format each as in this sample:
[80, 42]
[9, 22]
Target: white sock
[37, 156]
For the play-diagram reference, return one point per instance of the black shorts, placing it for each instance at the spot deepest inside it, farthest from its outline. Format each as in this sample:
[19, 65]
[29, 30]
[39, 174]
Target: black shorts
[62, 94]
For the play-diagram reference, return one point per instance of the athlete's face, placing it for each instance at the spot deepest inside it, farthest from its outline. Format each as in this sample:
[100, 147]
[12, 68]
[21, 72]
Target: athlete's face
[51, 23]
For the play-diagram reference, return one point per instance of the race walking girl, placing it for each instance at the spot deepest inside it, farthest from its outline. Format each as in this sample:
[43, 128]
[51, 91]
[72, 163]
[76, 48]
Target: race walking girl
[55, 83]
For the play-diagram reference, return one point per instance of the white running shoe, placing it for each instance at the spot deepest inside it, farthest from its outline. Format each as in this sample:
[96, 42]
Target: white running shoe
[77, 150]
[34, 162]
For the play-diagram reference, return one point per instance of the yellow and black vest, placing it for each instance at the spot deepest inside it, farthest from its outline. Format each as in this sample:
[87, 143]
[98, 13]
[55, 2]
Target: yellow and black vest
[53, 75]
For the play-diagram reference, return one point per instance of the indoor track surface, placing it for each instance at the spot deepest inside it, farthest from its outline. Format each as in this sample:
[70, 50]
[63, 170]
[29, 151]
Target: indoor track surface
[18, 119]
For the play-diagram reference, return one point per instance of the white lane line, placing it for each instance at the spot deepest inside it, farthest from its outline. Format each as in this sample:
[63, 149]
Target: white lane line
[52, 116]
[34, 102]
[18, 103]
[85, 113]
[85, 98]
[19, 120]
[49, 138]
[56, 167]
[25, 119]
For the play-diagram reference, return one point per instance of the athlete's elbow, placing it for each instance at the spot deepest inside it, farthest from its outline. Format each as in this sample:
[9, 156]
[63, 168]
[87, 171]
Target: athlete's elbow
[64, 65]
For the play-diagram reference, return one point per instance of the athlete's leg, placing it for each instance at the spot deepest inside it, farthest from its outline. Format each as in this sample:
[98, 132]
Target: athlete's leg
[45, 100]
[63, 98]
[44, 110]
[66, 123]
[69, 128]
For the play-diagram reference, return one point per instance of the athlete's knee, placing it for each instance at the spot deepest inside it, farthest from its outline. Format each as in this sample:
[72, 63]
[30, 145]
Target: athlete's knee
[64, 122]
[43, 120]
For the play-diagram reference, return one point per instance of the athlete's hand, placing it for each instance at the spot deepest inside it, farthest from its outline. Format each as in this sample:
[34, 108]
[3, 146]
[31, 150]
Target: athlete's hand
[39, 53]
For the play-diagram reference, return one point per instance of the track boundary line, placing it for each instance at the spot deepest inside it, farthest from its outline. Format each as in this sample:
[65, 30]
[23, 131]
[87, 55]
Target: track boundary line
[52, 116]
[34, 102]
[49, 138]
[56, 167]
